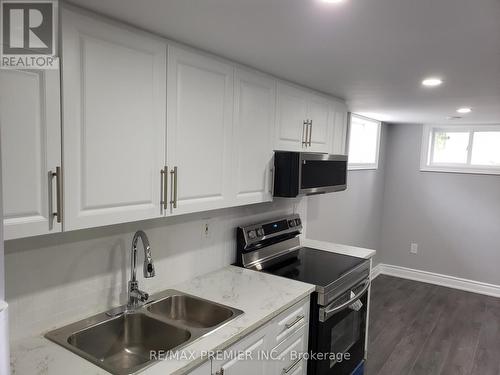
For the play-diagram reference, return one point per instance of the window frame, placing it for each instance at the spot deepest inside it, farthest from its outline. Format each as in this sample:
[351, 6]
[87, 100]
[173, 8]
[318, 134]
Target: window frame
[427, 150]
[364, 166]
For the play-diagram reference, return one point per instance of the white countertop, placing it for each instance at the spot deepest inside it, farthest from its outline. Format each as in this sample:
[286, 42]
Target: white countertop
[354, 251]
[261, 296]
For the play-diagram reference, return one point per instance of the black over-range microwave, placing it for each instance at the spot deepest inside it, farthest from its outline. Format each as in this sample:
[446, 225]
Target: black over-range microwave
[305, 173]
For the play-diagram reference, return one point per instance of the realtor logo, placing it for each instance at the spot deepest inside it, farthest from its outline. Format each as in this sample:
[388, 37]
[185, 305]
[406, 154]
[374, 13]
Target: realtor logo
[28, 34]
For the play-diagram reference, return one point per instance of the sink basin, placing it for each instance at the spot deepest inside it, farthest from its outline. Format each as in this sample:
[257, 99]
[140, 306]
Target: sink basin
[125, 342]
[120, 341]
[191, 311]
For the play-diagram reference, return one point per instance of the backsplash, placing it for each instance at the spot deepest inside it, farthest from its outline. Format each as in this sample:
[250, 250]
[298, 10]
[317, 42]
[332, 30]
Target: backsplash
[57, 279]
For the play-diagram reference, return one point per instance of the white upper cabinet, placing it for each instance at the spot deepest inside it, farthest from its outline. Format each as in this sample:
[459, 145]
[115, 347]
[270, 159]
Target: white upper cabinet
[199, 108]
[306, 121]
[291, 117]
[341, 116]
[31, 151]
[114, 88]
[321, 124]
[149, 129]
[254, 119]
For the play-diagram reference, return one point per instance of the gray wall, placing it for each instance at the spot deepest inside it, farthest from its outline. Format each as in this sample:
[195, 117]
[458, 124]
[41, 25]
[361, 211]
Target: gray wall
[351, 217]
[455, 218]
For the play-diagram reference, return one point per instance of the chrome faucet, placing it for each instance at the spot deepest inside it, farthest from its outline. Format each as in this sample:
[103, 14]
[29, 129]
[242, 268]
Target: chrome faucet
[136, 296]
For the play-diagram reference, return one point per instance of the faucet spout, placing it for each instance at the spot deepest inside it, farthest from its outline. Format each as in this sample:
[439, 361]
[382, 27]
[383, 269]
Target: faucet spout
[135, 295]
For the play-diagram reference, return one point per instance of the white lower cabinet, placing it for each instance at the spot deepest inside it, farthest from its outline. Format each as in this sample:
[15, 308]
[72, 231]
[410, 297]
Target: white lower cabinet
[245, 357]
[289, 361]
[204, 369]
[274, 349]
[31, 152]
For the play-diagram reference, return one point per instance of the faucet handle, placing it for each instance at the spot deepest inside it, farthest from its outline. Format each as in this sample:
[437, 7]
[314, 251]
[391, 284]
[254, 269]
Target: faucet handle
[143, 296]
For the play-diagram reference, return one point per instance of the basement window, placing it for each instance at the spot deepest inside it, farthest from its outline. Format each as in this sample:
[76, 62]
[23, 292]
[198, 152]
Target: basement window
[461, 149]
[364, 143]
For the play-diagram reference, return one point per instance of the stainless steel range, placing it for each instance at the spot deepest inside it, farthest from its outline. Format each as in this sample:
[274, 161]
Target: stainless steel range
[339, 305]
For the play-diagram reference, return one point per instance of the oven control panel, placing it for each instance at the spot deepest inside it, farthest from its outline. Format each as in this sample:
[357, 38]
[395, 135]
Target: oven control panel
[253, 234]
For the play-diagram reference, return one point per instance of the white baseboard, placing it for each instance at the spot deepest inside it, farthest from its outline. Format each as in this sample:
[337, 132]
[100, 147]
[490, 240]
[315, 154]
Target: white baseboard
[376, 270]
[436, 279]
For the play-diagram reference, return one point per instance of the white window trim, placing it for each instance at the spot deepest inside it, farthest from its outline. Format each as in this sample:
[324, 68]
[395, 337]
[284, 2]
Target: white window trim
[426, 152]
[365, 166]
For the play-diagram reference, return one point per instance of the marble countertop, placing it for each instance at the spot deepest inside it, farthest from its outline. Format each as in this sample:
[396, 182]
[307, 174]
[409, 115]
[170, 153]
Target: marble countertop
[354, 251]
[261, 296]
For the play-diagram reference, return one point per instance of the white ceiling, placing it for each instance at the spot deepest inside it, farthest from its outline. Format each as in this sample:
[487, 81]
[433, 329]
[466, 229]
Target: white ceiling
[373, 53]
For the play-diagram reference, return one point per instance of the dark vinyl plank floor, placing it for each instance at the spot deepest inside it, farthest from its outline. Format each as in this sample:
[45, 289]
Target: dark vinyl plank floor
[423, 329]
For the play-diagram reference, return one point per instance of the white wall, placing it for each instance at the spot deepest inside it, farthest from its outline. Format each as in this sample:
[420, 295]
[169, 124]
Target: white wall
[352, 217]
[455, 218]
[57, 279]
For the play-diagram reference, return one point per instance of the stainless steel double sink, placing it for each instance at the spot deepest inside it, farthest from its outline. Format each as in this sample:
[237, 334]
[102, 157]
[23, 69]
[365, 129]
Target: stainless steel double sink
[123, 343]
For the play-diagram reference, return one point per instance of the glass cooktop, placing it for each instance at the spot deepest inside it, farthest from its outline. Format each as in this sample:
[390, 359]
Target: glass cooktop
[314, 266]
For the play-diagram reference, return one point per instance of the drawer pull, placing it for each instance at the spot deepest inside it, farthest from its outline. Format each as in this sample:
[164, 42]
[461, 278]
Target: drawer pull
[297, 320]
[291, 367]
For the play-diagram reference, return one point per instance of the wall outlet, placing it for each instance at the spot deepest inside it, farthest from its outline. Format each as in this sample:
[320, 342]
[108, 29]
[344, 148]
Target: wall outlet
[206, 229]
[414, 248]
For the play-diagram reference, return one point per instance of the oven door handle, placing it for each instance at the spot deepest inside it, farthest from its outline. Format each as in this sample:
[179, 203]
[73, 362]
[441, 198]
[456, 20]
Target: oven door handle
[327, 312]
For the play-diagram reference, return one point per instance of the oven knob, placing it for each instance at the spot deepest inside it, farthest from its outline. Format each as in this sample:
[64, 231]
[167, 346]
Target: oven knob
[291, 223]
[298, 222]
[260, 232]
[252, 235]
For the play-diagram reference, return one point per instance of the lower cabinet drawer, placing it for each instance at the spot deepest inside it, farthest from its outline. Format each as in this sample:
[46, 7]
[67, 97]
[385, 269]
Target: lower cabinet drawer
[288, 322]
[288, 355]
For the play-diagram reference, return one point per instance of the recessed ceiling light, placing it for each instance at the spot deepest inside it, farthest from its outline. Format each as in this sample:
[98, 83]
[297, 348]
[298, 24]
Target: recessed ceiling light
[432, 82]
[333, 1]
[464, 110]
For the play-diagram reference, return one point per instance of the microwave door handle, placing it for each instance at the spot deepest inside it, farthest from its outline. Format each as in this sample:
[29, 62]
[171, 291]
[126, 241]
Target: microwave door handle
[330, 311]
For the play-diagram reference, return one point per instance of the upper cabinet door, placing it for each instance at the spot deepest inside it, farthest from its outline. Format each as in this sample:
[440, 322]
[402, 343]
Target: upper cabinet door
[340, 129]
[321, 116]
[291, 115]
[31, 151]
[199, 131]
[254, 119]
[114, 88]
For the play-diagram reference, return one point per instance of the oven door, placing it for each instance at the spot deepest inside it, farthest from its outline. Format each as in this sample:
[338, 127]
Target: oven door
[322, 173]
[342, 332]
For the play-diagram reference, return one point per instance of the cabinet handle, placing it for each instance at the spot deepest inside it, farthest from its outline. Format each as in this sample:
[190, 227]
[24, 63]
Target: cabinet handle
[291, 367]
[173, 187]
[310, 131]
[304, 133]
[57, 174]
[297, 320]
[164, 187]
